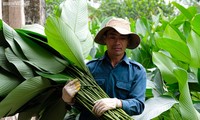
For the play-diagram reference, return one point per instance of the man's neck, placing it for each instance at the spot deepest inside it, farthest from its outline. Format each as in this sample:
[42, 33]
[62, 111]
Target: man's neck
[114, 60]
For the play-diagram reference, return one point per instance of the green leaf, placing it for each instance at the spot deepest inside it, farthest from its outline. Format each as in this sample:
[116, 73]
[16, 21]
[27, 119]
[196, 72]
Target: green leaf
[178, 20]
[142, 26]
[32, 35]
[165, 65]
[37, 55]
[34, 29]
[186, 106]
[193, 10]
[175, 113]
[155, 106]
[8, 33]
[22, 94]
[198, 75]
[172, 32]
[178, 50]
[141, 55]
[193, 44]
[7, 83]
[195, 23]
[61, 37]
[186, 28]
[58, 107]
[4, 62]
[59, 78]
[183, 10]
[41, 41]
[37, 104]
[23, 68]
[75, 14]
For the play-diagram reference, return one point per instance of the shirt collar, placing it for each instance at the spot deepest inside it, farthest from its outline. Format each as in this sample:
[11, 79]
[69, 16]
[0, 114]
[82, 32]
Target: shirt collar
[125, 58]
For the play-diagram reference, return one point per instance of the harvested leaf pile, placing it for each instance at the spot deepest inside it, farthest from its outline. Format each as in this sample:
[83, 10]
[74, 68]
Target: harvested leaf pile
[35, 66]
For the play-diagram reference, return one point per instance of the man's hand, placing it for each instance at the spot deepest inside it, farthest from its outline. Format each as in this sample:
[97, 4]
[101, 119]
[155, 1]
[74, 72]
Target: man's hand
[70, 90]
[105, 104]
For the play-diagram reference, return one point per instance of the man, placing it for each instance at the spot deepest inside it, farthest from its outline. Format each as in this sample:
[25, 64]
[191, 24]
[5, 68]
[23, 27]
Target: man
[122, 79]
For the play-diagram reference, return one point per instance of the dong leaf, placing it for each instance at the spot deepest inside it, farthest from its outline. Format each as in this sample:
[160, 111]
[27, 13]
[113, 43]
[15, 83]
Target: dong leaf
[7, 83]
[58, 78]
[8, 34]
[179, 50]
[174, 33]
[57, 107]
[28, 50]
[4, 62]
[34, 29]
[195, 23]
[186, 106]
[23, 93]
[165, 65]
[183, 10]
[77, 19]
[38, 104]
[155, 106]
[23, 68]
[62, 38]
[193, 44]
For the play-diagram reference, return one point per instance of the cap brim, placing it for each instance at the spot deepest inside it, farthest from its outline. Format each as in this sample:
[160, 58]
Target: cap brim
[134, 38]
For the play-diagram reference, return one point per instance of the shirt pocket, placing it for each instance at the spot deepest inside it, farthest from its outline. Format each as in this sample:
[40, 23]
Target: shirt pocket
[123, 89]
[100, 81]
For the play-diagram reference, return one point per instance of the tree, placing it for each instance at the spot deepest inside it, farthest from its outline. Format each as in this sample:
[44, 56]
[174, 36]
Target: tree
[131, 8]
[34, 11]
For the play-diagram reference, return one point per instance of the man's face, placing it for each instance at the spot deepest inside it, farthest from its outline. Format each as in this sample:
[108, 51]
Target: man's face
[116, 43]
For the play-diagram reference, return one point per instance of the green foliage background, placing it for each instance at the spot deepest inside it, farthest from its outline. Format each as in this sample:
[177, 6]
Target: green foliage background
[169, 51]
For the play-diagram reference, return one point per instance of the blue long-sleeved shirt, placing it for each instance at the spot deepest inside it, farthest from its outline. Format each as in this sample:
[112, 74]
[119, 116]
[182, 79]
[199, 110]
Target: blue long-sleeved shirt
[125, 81]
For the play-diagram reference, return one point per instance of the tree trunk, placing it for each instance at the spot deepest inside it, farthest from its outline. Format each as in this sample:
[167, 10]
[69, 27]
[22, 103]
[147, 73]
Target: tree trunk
[35, 11]
[13, 13]
[17, 13]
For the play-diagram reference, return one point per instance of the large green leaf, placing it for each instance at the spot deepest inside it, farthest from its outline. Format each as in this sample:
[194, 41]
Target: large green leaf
[58, 107]
[34, 29]
[178, 50]
[183, 10]
[32, 35]
[8, 33]
[58, 78]
[186, 106]
[4, 62]
[155, 106]
[165, 65]
[37, 55]
[7, 83]
[23, 93]
[41, 40]
[23, 68]
[178, 20]
[175, 113]
[61, 37]
[186, 29]
[142, 26]
[75, 14]
[172, 32]
[195, 23]
[193, 43]
[38, 104]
